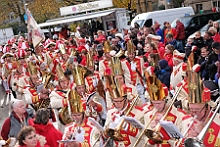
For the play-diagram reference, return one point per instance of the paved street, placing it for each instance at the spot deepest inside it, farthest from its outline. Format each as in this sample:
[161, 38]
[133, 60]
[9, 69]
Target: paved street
[4, 110]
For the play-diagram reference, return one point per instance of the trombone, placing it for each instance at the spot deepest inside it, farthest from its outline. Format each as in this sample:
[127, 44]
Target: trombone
[179, 142]
[115, 133]
[198, 141]
[143, 132]
[154, 134]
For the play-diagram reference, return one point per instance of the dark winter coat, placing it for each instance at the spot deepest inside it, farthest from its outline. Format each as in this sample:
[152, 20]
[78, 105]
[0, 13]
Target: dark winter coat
[165, 72]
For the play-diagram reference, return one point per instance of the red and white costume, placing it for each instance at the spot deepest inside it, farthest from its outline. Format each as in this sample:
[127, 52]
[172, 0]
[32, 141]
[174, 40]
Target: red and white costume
[178, 72]
[87, 135]
[175, 115]
[212, 136]
[129, 132]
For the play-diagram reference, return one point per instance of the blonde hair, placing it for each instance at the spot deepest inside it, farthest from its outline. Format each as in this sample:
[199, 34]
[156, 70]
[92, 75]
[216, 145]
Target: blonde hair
[212, 29]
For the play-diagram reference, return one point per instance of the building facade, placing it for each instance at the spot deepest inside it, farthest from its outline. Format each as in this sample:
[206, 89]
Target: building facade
[203, 5]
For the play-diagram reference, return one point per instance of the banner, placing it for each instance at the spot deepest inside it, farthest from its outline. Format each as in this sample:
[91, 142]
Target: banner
[35, 34]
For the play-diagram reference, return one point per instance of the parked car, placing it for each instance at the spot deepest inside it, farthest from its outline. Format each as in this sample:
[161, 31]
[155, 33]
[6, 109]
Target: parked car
[148, 19]
[202, 30]
[195, 22]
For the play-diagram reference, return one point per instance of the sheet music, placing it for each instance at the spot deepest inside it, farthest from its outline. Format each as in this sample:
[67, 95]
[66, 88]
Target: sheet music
[171, 129]
[133, 122]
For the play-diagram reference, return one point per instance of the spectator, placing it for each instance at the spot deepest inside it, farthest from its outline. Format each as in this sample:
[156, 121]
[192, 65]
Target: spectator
[202, 61]
[27, 138]
[177, 45]
[210, 24]
[158, 31]
[18, 118]
[180, 31]
[45, 128]
[212, 63]
[208, 40]
[101, 37]
[164, 72]
[216, 25]
[159, 45]
[188, 47]
[198, 40]
[150, 48]
[212, 30]
[153, 60]
[120, 39]
[168, 56]
[169, 30]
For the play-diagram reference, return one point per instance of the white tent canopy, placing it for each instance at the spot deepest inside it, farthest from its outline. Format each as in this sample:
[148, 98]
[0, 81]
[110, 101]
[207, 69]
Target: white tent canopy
[76, 18]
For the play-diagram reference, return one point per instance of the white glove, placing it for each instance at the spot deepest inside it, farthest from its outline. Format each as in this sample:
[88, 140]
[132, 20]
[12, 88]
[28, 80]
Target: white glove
[2, 142]
[133, 66]
[113, 53]
[10, 66]
[2, 61]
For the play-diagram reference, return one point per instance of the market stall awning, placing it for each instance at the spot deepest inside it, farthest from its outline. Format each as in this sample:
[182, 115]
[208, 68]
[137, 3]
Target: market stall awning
[75, 18]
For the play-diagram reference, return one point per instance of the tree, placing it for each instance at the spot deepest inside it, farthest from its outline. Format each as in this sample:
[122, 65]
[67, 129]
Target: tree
[43, 10]
[8, 6]
[125, 4]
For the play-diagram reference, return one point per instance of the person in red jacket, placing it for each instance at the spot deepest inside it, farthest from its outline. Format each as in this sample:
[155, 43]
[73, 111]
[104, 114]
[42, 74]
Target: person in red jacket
[45, 128]
[169, 54]
[180, 31]
[27, 138]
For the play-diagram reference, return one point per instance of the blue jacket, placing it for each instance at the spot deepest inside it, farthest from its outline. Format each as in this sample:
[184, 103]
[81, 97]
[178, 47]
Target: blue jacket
[165, 72]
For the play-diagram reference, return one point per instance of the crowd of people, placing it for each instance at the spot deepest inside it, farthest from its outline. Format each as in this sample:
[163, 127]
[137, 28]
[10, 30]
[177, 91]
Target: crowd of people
[74, 92]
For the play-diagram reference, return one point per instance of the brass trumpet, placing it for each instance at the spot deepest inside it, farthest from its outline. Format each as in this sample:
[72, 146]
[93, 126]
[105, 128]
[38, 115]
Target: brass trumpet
[154, 134]
[198, 141]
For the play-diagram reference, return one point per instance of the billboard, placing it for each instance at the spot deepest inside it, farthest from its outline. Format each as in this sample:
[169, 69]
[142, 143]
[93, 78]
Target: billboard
[85, 7]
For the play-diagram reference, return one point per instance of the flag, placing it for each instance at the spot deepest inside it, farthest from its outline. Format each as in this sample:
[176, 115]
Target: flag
[35, 34]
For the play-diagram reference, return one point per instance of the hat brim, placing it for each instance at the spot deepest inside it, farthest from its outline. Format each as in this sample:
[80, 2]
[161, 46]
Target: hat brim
[7, 55]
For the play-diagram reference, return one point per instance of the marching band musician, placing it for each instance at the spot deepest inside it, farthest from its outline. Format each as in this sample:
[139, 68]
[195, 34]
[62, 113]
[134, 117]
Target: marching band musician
[133, 68]
[93, 108]
[19, 77]
[81, 131]
[35, 93]
[93, 83]
[58, 98]
[176, 75]
[6, 70]
[118, 73]
[121, 106]
[104, 65]
[199, 109]
[158, 97]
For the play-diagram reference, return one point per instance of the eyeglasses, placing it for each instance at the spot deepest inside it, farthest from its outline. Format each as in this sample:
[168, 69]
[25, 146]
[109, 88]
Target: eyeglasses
[76, 115]
[197, 110]
[118, 101]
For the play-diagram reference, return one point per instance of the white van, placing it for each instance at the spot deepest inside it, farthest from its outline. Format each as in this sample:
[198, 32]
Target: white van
[148, 19]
